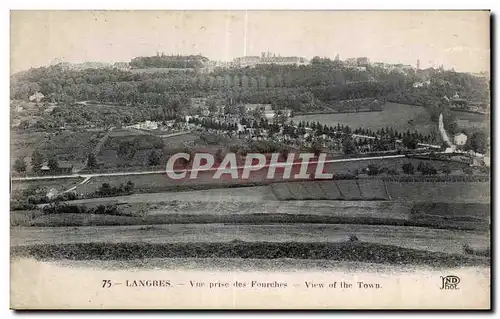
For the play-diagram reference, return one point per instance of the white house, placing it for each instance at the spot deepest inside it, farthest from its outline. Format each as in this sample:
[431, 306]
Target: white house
[269, 114]
[52, 193]
[147, 125]
[460, 139]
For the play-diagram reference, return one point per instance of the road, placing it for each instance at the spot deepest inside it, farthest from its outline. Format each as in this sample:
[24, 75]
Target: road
[52, 177]
[450, 241]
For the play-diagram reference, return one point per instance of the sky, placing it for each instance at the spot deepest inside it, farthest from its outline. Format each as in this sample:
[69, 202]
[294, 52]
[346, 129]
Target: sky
[455, 39]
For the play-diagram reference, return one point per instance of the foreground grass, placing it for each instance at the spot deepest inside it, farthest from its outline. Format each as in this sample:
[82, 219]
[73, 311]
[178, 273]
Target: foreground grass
[343, 251]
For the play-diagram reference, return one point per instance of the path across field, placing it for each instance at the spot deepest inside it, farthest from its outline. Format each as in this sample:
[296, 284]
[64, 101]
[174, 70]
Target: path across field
[407, 237]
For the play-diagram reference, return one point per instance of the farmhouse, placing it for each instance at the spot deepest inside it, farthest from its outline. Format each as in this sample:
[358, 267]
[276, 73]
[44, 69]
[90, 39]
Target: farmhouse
[460, 139]
[269, 112]
[37, 97]
[63, 168]
[147, 125]
[253, 107]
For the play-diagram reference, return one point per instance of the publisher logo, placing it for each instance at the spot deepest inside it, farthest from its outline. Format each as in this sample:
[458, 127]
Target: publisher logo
[449, 283]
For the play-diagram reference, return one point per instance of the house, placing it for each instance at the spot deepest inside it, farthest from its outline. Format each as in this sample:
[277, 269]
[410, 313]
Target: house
[287, 112]
[246, 61]
[460, 139]
[15, 123]
[52, 193]
[269, 114]
[253, 107]
[63, 168]
[286, 60]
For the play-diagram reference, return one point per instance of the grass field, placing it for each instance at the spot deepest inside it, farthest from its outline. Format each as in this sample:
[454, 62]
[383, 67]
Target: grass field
[464, 192]
[161, 182]
[408, 237]
[400, 117]
[68, 146]
[23, 144]
[59, 184]
[331, 190]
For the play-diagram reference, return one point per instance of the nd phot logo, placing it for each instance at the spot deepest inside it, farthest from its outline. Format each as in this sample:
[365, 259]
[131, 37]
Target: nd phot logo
[450, 283]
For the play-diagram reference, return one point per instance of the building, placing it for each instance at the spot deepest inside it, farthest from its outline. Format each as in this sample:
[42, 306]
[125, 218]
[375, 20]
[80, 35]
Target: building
[63, 168]
[268, 58]
[350, 62]
[460, 139]
[52, 193]
[269, 113]
[246, 61]
[37, 97]
[147, 125]
[362, 61]
[419, 84]
[253, 107]
[285, 60]
[287, 112]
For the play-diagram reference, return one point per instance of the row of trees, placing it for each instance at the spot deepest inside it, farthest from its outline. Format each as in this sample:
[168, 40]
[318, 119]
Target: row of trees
[169, 61]
[37, 160]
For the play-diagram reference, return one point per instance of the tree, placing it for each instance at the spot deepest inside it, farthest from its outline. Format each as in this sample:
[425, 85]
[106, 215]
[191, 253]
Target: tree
[410, 141]
[408, 168]
[36, 161]
[348, 145]
[478, 142]
[218, 156]
[426, 169]
[373, 170]
[20, 165]
[53, 164]
[91, 161]
[129, 187]
[316, 149]
[284, 153]
[154, 158]
[446, 170]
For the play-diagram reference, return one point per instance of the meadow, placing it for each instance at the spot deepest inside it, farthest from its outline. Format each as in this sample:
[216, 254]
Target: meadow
[400, 117]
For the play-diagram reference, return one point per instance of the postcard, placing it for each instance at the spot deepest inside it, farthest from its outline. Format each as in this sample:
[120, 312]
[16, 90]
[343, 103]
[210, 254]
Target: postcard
[250, 159]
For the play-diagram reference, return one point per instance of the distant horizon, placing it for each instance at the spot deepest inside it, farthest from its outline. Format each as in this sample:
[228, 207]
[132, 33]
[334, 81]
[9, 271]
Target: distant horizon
[55, 62]
[455, 39]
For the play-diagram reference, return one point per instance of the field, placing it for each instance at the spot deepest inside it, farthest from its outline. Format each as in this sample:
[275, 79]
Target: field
[161, 70]
[70, 147]
[331, 190]
[161, 182]
[461, 192]
[46, 185]
[458, 192]
[400, 117]
[23, 144]
[131, 148]
[408, 237]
